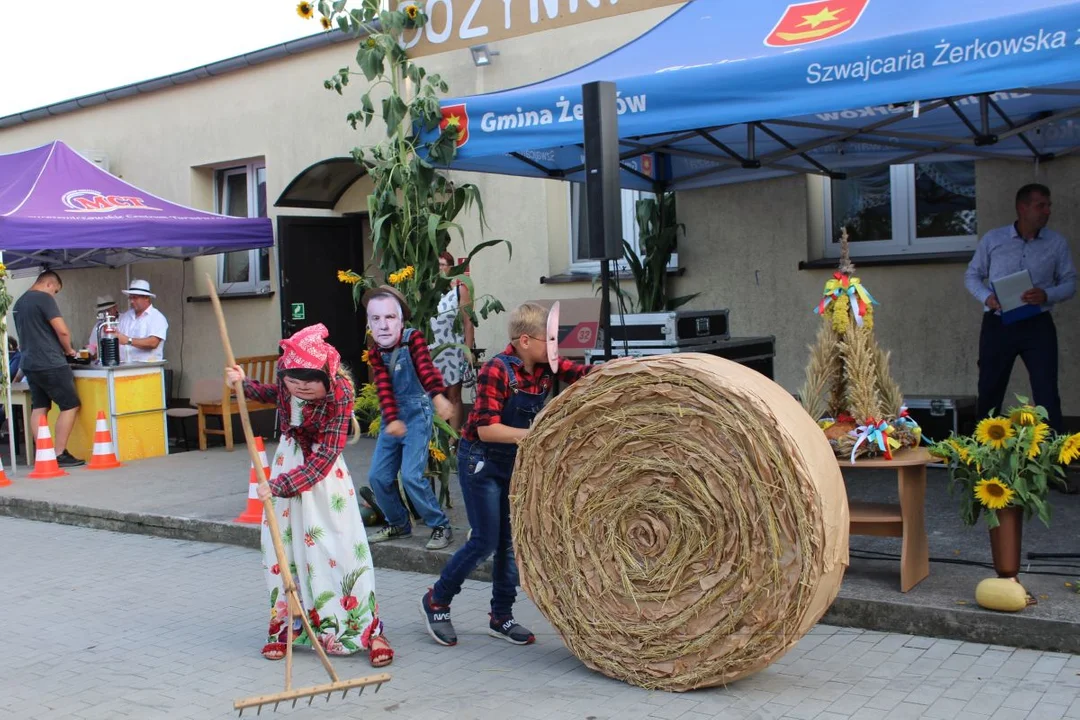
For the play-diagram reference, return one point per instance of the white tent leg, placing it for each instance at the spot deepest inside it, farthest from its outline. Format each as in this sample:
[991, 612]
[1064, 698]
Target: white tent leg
[7, 401]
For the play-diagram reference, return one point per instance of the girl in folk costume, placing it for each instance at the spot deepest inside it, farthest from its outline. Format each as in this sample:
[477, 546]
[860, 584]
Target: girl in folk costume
[312, 491]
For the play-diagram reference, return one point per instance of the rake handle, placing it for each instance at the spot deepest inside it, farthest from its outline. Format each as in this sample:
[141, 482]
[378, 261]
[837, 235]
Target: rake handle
[268, 505]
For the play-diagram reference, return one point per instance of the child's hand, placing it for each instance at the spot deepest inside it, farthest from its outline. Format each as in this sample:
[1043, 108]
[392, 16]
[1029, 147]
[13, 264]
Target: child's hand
[443, 407]
[396, 428]
[234, 375]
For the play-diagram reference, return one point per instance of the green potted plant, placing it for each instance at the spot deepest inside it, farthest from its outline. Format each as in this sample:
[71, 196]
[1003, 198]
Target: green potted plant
[1003, 472]
[658, 231]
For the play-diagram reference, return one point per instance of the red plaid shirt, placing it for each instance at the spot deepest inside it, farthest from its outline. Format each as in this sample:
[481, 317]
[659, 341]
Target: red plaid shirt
[324, 423]
[493, 388]
[429, 375]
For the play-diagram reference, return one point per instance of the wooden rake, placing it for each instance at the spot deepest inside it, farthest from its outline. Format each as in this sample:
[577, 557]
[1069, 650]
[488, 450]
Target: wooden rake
[291, 593]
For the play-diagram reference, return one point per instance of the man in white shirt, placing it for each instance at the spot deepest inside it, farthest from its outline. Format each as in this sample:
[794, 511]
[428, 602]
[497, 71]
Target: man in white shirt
[142, 328]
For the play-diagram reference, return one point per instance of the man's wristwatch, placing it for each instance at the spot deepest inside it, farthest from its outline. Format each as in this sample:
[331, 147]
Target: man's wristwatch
[131, 341]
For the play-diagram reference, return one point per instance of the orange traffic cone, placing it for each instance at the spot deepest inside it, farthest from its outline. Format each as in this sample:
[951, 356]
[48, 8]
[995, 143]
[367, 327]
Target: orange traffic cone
[4, 481]
[104, 457]
[45, 456]
[254, 511]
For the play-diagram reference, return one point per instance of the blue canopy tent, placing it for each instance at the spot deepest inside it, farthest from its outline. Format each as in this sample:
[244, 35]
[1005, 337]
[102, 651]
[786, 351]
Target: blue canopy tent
[725, 92]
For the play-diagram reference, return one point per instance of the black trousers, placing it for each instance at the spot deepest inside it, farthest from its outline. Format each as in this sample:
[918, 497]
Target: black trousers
[1035, 341]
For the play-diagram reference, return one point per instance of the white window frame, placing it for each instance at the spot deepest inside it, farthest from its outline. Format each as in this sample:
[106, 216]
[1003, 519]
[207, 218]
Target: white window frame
[250, 170]
[904, 222]
[629, 228]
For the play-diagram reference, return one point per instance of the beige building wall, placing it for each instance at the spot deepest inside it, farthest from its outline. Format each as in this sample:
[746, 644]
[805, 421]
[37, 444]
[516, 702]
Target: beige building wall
[742, 249]
[744, 244]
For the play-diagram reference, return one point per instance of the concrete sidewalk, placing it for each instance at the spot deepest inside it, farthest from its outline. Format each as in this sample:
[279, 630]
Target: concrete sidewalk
[196, 496]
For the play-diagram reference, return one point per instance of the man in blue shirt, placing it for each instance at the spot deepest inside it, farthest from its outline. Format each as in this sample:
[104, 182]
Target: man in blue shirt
[1028, 245]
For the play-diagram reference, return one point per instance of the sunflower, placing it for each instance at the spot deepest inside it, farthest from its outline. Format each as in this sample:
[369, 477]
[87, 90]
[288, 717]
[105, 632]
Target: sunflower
[436, 454]
[3, 268]
[1024, 415]
[993, 493]
[325, 22]
[1039, 433]
[305, 10]
[1070, 449]
[348, 276]
[994, 432]
[370, 43]
[412, 11]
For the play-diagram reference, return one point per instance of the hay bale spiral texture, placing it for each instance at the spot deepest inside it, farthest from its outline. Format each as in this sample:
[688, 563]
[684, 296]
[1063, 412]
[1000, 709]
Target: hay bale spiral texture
[680, 520]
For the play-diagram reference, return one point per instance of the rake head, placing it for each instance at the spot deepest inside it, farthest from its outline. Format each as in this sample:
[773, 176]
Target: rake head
[327, 689]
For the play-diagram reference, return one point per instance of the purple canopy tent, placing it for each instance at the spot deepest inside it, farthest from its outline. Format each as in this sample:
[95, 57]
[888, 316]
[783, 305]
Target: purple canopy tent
[60, 210]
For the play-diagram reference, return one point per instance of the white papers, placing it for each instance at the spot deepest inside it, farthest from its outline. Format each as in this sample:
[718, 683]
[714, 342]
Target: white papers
[1010, 288]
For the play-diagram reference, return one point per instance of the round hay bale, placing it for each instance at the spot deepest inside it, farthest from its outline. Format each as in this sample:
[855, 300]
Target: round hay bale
[680, 520]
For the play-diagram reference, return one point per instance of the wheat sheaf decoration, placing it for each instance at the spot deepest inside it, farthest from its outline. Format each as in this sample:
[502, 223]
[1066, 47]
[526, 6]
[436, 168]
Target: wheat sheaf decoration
[679, 520]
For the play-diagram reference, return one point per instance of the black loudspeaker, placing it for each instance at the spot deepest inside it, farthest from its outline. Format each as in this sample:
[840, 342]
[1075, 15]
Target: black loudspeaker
[602, 192]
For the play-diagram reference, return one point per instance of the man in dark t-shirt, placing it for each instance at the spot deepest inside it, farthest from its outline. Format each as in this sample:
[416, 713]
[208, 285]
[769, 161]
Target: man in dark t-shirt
[46, 344]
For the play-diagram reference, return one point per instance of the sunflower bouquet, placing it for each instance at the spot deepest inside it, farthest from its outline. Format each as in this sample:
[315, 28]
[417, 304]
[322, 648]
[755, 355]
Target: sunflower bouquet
[1009, 461]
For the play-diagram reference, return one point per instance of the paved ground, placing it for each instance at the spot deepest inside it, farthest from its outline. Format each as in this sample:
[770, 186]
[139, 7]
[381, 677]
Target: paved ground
[107, 625]
[196, 495]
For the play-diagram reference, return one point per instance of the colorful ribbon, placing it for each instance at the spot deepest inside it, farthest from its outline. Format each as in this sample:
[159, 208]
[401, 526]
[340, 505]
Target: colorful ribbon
[874, 431]
[859, 297]
[905, 419]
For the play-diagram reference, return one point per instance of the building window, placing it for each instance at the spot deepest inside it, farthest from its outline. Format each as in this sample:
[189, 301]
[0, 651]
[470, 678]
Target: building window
[579, 228]
[241, 192]
[920, 208]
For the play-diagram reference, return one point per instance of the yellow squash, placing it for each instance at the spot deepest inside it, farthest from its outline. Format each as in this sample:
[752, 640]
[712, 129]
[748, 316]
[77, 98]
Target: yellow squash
[1001, 594]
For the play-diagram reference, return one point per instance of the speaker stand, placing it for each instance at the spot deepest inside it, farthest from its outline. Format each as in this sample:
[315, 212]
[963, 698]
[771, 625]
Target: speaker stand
[605, 305]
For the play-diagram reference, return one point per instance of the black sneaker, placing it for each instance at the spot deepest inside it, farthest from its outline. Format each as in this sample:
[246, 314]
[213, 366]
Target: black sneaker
[440, 538]
[437, 619]
[66, 459]
[508, 629]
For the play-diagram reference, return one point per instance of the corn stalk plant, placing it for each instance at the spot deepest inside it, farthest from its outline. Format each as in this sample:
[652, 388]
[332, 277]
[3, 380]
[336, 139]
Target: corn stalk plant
[414, 208]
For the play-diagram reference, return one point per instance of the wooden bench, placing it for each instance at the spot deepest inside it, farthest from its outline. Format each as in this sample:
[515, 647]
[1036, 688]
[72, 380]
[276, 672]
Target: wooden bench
[906, 520]
[261, 368]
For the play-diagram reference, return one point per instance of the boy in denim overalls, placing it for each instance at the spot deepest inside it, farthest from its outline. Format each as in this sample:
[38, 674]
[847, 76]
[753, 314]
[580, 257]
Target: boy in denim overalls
[407, 383]
[511, 389]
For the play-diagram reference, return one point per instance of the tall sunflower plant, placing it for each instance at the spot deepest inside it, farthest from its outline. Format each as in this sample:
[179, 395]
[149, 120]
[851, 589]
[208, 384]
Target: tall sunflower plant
[1009, 461]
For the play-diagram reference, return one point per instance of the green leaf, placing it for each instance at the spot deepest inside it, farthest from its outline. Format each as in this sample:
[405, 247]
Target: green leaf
[323, 598]
[677, 302]
[371, 602]
[360, 552]
[393, 110]
[273, 597]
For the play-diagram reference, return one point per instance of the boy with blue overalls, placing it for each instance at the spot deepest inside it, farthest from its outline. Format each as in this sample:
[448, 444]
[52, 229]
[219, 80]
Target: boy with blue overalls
[407, 383]
[511, 389]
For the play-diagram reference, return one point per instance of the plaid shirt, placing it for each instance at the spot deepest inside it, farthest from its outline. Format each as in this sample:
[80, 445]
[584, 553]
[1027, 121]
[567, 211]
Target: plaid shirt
[429, 375]
[493, 388]
[324, 423]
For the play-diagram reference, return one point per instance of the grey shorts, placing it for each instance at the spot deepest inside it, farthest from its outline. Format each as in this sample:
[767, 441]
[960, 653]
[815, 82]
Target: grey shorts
[55, 385]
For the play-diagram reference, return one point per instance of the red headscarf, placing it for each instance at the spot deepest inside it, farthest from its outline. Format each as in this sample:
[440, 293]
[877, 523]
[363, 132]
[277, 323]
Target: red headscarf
[307, 349]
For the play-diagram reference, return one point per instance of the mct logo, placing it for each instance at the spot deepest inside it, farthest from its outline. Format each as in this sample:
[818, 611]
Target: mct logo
[92, 201]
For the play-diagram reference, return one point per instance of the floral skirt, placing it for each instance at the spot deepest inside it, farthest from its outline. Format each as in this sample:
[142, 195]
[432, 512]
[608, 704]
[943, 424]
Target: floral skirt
[327, 549]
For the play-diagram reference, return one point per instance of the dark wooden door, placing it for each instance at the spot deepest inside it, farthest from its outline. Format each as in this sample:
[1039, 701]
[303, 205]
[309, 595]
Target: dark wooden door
[311, 251]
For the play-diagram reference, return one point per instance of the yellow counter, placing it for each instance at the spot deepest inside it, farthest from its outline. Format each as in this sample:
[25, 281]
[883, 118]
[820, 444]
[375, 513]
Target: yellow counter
[132, 396]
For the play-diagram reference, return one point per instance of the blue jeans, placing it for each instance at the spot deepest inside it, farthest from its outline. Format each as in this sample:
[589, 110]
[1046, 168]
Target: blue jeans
[485, 485]
[407, 455]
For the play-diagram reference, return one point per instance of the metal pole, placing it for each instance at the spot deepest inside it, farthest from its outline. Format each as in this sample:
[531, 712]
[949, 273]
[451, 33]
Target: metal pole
[8, 408]
[605, 305]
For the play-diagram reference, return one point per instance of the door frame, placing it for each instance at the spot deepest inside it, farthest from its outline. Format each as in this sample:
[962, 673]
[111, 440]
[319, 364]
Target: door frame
[357, 220]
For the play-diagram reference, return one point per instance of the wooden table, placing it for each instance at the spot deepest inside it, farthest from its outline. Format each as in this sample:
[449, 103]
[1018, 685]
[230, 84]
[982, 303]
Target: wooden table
[906, 520]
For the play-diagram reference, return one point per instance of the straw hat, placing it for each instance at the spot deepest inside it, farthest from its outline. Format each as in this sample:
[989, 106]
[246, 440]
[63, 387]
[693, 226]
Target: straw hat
[406, 314]
[104, 302]
[139, 287]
